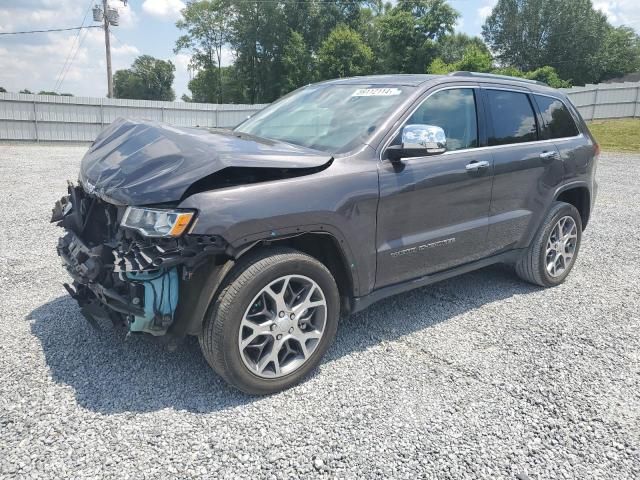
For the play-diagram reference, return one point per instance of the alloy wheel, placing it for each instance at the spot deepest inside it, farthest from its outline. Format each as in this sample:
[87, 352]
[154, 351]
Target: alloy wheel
[561, 246]
[282, 326]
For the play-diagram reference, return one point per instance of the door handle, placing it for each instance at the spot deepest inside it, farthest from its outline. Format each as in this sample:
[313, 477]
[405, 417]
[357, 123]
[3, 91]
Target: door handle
[549, 155]
[476, 165]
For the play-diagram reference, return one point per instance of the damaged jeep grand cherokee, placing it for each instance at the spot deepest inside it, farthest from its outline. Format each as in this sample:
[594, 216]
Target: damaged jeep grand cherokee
[258, 239]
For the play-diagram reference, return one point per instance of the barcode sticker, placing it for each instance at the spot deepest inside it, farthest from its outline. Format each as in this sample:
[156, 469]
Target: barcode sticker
[377, 92]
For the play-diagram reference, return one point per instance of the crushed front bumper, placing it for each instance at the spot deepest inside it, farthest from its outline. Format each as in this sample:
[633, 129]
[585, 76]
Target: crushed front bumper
[118, 274]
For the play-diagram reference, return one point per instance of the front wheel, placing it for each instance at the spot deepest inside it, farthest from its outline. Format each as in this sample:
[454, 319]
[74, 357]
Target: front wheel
[273, 322]
[553, 251]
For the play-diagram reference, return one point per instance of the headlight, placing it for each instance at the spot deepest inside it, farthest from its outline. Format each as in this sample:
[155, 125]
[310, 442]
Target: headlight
[154, 222]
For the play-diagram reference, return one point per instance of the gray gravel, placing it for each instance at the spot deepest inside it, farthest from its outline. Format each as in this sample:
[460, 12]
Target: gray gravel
[481, 376]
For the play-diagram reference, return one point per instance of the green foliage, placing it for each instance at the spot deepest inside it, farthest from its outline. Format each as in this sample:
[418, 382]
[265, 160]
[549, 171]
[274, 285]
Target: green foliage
[207, 30]
[549, 76]
[473, 59]
[344, 54]
[476, 59]
[451, 48]
[48, 92]
[3, 90]
[26, 90]
[620, 53]
[439, 67]
[408, 33]
[297, 62]
[509, 71]
[148, 79]
[203, 86]
[280, 45]
[569, 35]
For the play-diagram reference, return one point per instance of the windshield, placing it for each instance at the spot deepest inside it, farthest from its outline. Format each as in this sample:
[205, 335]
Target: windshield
[331, 118]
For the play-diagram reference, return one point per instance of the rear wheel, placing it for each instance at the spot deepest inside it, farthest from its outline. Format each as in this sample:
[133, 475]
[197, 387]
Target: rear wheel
[553, 251]
[273, 322]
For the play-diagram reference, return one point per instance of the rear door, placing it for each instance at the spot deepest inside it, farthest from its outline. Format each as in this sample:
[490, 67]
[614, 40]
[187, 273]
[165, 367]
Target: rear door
[433, 210]
[525, 167]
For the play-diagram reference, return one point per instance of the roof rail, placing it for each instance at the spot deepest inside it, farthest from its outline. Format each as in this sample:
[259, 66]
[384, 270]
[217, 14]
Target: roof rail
[463, 73]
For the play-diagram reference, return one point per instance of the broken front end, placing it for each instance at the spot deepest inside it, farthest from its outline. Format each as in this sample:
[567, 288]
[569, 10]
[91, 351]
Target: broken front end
[132, 265]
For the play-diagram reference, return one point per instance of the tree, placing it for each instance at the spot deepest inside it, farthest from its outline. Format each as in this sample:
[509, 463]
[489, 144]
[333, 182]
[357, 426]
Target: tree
[26, 90]
[569, 35]
[204, 85]
[48, 92]
[473, 59]
[148, 79]
[451, 48]
[620, 53]
[3, 90]
[344, 54]
[549, 76]
[297, 62]
[408, 33]
[207, 27]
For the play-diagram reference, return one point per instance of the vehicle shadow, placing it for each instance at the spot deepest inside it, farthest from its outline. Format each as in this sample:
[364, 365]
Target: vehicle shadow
[114, 373]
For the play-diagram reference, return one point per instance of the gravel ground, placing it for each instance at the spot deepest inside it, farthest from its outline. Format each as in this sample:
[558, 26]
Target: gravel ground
[481, 376]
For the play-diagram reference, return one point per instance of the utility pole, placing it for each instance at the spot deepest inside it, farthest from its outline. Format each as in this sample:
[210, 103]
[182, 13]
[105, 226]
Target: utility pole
[108, 17]
[107, 44]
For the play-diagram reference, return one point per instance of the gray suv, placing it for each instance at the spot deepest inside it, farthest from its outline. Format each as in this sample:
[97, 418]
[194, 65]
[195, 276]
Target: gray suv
[258, 239]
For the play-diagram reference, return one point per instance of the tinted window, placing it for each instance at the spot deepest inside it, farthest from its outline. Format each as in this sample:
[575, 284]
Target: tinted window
[513, 118]
[455, 112]
[557, 120]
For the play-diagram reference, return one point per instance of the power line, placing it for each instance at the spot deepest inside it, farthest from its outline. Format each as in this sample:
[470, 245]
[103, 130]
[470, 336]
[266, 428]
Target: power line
[73, 59]
[73, 45]
[51, 30]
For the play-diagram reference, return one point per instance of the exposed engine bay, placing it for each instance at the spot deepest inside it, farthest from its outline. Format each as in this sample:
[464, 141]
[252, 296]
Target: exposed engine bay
[120, 275]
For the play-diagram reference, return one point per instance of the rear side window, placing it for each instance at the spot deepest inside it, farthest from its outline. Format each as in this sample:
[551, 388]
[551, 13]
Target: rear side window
[558, 122]
[513, 118]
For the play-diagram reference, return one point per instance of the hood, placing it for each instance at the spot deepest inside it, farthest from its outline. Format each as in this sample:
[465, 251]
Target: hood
[142, 162]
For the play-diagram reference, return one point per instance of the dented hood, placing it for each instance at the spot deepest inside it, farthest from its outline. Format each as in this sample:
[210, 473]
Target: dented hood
[142, 162]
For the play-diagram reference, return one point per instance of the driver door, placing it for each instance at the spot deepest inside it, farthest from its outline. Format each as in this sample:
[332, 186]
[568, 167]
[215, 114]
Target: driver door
[433, 212]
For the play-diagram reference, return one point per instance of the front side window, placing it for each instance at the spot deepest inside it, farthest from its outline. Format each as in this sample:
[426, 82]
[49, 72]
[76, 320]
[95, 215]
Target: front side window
[454, 111]
[558, 122]
[513, 118]
[328, 117]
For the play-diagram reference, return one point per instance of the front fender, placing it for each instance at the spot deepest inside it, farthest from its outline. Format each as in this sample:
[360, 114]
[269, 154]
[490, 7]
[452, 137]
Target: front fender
[341, 200]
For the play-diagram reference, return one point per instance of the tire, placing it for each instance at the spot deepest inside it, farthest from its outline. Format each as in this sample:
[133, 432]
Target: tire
[247, 306]
[535, 266]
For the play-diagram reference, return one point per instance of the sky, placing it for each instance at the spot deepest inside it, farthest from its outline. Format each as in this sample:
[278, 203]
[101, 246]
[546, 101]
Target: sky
[68, 62]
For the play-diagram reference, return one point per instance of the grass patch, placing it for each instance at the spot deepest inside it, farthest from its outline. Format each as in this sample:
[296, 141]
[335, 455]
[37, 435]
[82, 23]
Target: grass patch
[618, 135]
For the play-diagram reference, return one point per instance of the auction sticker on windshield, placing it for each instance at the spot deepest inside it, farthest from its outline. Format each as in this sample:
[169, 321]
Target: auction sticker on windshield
[377, 92]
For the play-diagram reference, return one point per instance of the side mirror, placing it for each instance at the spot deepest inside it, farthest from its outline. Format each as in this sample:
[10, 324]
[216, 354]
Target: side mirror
[419, 141]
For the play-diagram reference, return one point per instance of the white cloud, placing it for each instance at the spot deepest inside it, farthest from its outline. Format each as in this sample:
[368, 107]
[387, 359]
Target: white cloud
[128, 17]
[607, 9]
[164, 9]
[36, 62]
[484, 11]
[621, 12]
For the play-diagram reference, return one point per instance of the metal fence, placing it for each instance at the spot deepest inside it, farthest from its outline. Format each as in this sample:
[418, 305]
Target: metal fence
[606, 100]
[80, 119]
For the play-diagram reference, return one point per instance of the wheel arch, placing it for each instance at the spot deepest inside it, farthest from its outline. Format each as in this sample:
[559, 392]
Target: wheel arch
[206, 282]
[324, 247]
[578, 195]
